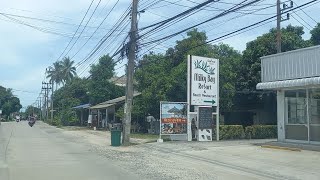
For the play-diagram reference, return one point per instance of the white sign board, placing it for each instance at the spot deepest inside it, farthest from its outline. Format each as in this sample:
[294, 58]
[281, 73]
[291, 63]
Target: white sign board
[204, 80]
[0, 111]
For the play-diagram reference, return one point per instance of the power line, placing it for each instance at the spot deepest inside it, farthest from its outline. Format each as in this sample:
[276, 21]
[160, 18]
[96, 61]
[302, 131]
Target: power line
[247, 28]
[254, 24]
[85, 27]
[76, 30]
[300, 22]
[106, 37]
[161, 23]
[219, 24]
[306, 13]
[41, 29]
[96, 29]
[208, 20]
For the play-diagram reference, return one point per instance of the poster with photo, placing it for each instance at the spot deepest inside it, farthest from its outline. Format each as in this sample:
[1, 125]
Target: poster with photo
[173, 118]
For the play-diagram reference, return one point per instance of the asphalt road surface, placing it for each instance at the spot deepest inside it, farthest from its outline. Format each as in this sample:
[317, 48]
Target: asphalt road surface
[34, 153]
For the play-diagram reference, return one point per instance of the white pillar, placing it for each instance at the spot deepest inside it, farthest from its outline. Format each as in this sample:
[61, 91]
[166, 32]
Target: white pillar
[281, 115]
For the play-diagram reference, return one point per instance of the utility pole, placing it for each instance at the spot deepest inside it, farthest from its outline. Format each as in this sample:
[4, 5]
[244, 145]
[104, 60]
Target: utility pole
[278, 27]
[46, 88]
[279, 20]
[130, 72]
[40, 113]
[51, 101]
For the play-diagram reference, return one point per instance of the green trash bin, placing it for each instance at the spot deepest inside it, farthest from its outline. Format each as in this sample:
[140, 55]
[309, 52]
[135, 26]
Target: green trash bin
[115, 137]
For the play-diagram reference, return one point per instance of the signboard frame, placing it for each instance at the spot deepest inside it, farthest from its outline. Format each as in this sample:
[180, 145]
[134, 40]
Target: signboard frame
[189, 91]
[161, 117]
[203, 76]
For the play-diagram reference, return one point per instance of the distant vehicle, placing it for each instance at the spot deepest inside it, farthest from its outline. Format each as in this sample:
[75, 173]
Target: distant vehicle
[32, 121]
[17, 118]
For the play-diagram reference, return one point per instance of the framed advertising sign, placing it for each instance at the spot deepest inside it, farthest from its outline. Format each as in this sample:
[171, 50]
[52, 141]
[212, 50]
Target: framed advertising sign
[173, 118]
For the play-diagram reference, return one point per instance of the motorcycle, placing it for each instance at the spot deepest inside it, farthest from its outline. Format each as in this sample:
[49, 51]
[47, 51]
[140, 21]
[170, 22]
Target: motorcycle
[32, 121]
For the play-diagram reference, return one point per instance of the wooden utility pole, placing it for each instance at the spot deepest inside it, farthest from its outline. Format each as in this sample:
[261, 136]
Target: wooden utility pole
[278, 27]
[130, 72]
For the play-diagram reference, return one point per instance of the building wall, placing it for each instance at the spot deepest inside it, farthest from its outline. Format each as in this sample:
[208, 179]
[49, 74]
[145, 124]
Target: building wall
[301, 63]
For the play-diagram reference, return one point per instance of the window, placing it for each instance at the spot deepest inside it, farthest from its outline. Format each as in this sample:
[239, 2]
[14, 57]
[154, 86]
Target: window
[297, 110]
[314, 106]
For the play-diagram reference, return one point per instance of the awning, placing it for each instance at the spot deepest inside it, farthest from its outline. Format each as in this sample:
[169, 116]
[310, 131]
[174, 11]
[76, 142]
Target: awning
[83, 106]
[101, 106]
[119, 99]
[112, 102]
[304, 82]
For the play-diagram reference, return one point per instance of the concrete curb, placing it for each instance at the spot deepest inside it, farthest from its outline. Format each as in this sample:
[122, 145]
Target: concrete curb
[281, 148]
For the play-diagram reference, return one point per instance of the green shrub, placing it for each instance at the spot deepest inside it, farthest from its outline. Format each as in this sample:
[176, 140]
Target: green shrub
[230, 132]
[261, 131]
[56, 121]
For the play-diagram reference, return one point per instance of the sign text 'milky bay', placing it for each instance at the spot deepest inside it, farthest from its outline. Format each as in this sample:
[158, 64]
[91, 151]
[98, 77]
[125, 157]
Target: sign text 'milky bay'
[203, 79]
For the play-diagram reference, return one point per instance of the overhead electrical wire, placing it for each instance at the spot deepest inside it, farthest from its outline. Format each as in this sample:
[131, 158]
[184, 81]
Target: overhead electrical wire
[106, 36]
[161, 23]
[76, 30]
[307, 14]
[96, 29]
[116, 26]
[208, 20]
[247, 28]
[254, 24]
[302, 20]
[183, 13]
[41, 29]
[219, 24]
[97, 48]
[85, 28]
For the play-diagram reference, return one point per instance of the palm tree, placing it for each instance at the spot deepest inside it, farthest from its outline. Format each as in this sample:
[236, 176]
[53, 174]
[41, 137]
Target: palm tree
[68, 70]
[55, 73]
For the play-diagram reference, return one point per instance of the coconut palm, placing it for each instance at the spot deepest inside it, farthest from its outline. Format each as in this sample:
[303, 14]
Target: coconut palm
[55, 73]
[68, 70]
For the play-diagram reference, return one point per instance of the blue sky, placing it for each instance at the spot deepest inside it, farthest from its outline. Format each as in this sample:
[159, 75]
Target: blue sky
[26, 52]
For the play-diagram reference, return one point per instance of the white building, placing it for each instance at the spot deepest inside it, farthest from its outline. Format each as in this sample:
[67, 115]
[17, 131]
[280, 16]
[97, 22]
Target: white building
[295, 75]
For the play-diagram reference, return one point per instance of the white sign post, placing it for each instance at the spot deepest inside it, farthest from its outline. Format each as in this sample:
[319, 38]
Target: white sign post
[203, 85]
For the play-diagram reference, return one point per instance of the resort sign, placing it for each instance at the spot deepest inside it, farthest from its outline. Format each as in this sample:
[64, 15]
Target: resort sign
[203, 77]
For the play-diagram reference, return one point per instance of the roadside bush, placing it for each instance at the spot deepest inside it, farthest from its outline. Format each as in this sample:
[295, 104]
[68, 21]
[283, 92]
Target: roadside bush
[56, 122]
[261, 131]
[68, 118]
[230, 132]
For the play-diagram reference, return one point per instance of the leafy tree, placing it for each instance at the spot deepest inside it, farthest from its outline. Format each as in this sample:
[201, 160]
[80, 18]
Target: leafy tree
[100, 87]
[315, 35]
[249, 71]
[32, 110]
[75, 92]
[164, 77]
[8, 102]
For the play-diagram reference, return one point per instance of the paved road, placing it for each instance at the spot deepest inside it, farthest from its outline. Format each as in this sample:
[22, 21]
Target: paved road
[39, 153]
